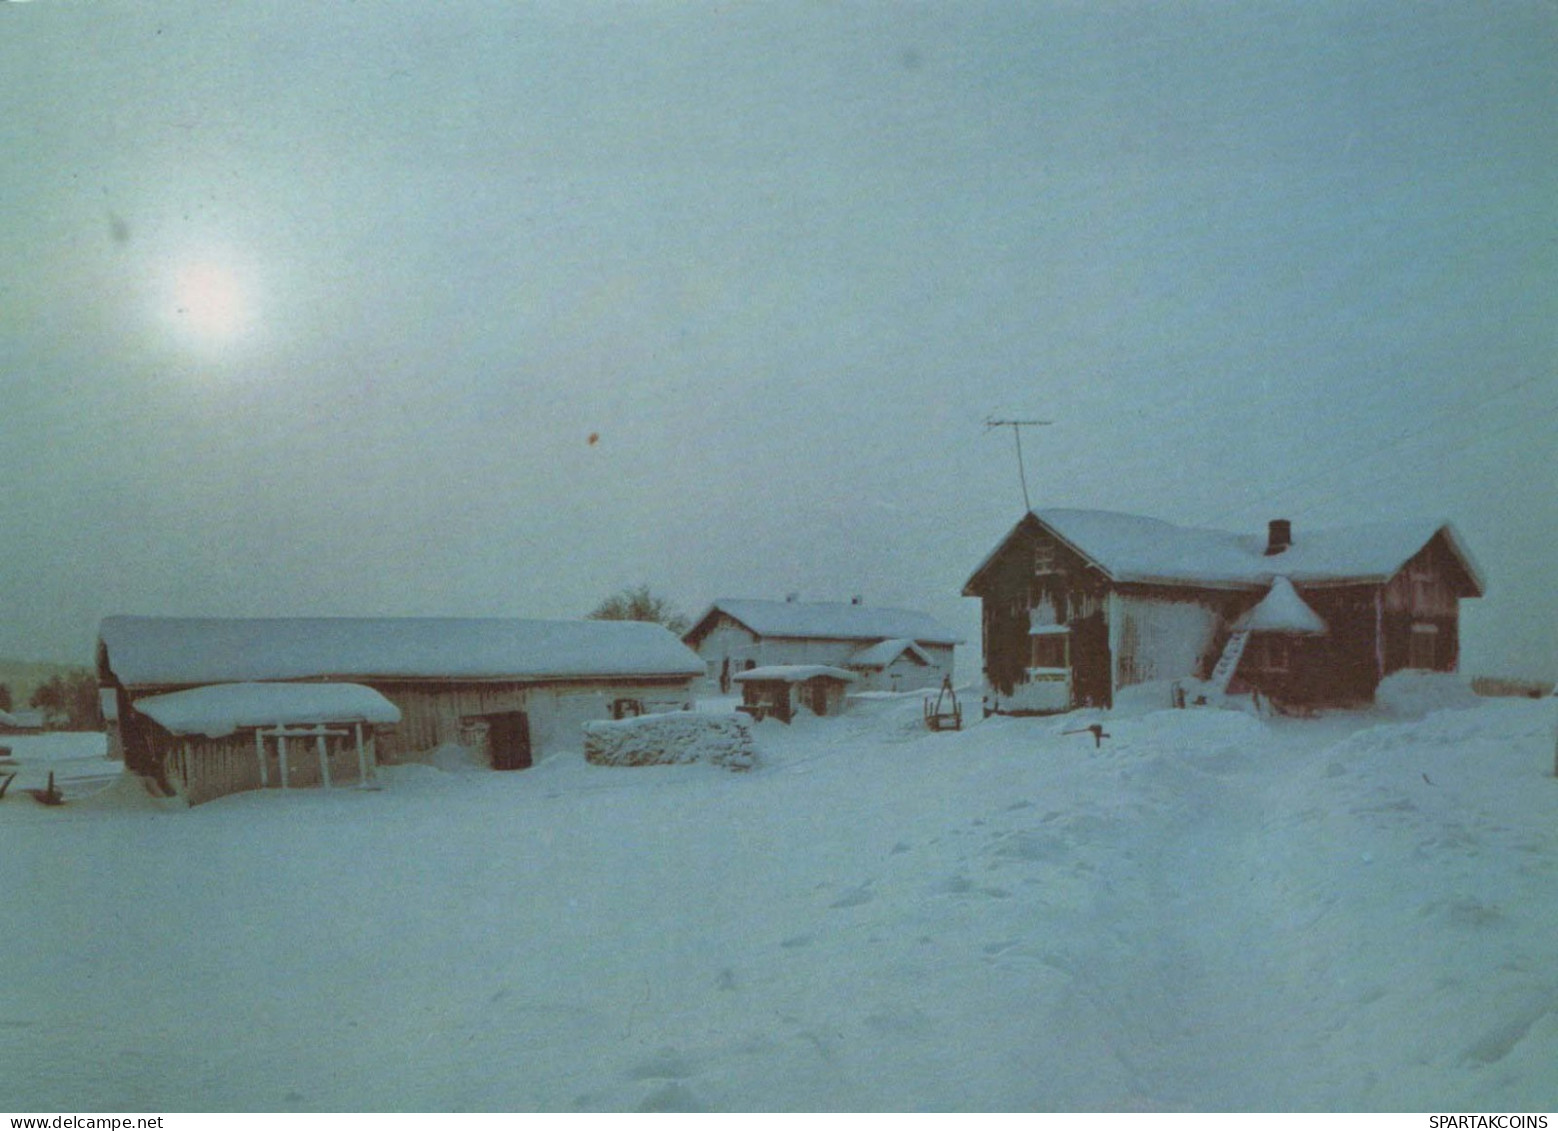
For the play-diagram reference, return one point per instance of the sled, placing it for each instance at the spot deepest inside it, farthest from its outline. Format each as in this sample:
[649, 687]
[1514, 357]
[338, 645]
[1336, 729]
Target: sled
[944, 712]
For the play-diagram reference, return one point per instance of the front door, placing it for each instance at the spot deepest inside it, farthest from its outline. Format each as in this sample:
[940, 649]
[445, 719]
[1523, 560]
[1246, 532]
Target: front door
[508, 737]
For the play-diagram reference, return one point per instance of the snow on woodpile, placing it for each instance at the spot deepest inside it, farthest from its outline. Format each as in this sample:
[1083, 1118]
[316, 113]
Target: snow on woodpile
[1413, 694]
[671, 739]
[223, 708]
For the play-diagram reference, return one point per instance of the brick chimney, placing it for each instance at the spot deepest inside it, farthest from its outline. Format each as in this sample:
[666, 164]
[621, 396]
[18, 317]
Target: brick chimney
[1279, 536]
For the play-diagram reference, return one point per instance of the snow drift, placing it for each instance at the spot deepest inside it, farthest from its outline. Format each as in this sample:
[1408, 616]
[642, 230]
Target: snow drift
[1207, 910]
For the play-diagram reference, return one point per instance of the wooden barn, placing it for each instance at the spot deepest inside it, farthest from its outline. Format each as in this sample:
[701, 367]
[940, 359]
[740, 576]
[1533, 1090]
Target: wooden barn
[1078, 604]
[509, 690]
[888, 649]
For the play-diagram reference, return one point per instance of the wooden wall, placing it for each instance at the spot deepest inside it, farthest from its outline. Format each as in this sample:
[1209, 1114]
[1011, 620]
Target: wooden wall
[1036, 572]
[432, 713]
[1166, 633]
[1425, 592]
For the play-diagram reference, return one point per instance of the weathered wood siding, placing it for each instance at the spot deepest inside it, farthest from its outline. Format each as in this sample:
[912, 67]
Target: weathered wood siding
[203, 769]
[1036, 579]
[1424, 598]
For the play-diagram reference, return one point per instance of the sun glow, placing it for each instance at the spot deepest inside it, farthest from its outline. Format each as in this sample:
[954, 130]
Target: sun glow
[209, 303]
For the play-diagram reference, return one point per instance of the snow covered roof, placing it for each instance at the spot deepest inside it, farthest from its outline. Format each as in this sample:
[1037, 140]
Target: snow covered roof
[884, 653]
[1131, 548]
[793, 673]
[153, 651]
[826, 620]
[1282, 610]
[22, 720]
[222, 708]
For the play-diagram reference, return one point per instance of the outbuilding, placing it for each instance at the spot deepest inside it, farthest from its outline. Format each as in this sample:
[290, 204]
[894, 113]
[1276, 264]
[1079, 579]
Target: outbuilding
[781, 690]
[509, 690]
[887, 649]
[229, 737]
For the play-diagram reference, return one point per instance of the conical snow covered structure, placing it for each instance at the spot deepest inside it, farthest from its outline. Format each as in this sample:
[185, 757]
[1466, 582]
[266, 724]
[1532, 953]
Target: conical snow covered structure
[1282, 610]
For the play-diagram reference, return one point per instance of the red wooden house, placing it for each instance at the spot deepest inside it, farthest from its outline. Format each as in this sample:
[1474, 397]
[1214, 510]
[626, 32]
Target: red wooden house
[1079, 604]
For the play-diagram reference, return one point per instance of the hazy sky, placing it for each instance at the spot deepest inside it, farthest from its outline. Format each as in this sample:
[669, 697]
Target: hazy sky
[314, 308]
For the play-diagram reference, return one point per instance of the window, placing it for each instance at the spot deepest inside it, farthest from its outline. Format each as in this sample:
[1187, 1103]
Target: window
[627, 708]
[1422, 647]
[1044, 560]
[1049, 649]
[1276, 654]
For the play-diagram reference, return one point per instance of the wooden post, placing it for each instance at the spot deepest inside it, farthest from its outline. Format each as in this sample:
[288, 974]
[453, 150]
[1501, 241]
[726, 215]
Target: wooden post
[362, 756]
[1379, 635]
[324, 757]
[259, 752]
[281, 754]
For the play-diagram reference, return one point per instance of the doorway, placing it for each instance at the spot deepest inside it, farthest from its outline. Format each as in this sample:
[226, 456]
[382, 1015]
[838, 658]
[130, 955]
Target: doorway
[508, 738]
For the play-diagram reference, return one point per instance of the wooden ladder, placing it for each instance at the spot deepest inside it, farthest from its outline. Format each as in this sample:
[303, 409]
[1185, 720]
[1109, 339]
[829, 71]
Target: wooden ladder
[1229, 660]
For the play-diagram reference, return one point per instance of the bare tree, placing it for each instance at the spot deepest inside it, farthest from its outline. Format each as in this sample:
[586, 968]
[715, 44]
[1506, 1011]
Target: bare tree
[638, 603]
[70, 701]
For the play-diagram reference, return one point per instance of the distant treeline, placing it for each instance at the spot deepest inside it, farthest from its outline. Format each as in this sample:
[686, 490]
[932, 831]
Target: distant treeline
[67, 696]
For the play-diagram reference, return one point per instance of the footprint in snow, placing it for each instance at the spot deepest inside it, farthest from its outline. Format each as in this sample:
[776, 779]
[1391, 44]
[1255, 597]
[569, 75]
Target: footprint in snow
[674, 1096]
[667, 1064]
[854, 897]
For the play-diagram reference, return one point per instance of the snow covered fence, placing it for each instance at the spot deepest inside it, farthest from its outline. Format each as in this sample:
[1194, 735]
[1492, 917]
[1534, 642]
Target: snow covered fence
[662, 740]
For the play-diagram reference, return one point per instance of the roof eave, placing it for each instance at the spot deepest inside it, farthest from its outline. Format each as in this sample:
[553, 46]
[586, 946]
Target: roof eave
[968, 586]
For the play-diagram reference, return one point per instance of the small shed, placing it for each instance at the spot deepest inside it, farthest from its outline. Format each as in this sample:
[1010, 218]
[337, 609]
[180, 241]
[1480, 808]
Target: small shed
[231, 737]
[893, 665]
[780, 690]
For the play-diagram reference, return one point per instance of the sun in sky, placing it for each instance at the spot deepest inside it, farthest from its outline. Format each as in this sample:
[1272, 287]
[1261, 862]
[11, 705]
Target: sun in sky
[210, 302]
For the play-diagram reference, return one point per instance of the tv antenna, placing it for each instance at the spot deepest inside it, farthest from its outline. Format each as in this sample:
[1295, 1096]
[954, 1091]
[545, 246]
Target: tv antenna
[1017, 426]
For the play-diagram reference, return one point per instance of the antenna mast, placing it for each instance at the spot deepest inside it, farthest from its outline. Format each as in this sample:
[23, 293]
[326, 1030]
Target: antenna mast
[1017, 426]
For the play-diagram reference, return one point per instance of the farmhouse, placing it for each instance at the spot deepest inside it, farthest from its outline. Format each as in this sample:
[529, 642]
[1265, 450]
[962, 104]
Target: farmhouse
[888, 649]
[1078, 604]
[507, 689]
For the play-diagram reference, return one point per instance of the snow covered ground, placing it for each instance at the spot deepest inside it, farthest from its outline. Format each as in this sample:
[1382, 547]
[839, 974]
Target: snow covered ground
[1209, 911]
